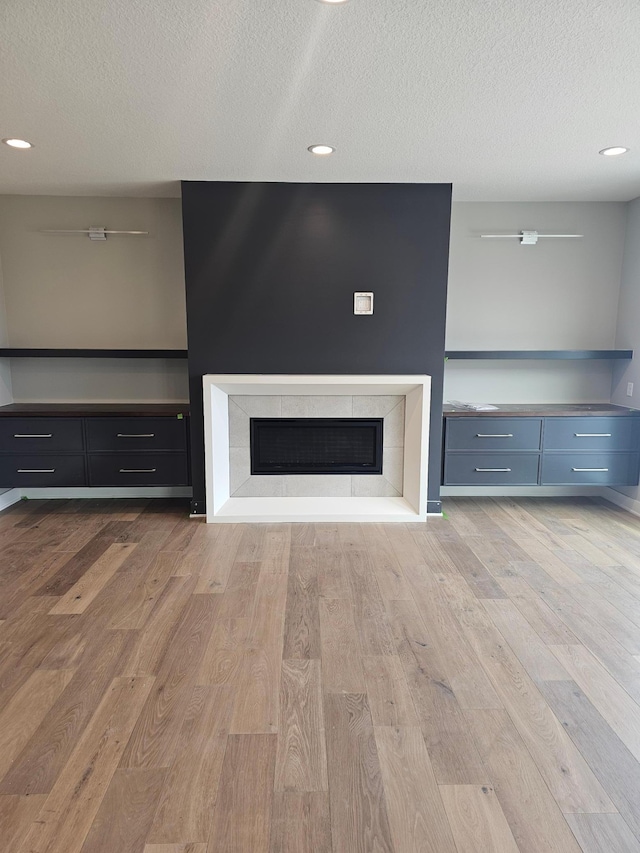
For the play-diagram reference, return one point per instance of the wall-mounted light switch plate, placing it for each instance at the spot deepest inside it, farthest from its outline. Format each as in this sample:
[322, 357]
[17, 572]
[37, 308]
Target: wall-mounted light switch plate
[629, 389]
[363, 303]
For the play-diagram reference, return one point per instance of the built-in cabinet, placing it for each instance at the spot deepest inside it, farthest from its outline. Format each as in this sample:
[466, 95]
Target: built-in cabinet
[93, 445]
[546, 446]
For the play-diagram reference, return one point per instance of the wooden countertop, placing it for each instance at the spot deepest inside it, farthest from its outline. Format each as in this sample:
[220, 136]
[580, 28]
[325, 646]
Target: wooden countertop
[81, 410]
[543, 410]
[524, 410]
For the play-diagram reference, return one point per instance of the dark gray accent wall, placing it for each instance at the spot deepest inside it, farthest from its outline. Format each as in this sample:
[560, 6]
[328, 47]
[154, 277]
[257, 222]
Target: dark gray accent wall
[270, 274]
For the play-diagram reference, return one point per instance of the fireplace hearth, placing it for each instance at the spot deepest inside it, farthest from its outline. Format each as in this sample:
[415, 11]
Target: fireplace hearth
[235, 493]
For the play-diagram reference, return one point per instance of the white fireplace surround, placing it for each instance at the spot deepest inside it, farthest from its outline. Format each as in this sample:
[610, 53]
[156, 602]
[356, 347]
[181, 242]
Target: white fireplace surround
[221, 507]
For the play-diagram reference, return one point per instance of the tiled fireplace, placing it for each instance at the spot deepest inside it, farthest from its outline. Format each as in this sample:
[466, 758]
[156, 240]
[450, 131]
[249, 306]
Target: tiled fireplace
[234, 494]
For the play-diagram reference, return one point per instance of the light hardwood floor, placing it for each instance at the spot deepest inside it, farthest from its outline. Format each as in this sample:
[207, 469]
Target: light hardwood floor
[465, 686]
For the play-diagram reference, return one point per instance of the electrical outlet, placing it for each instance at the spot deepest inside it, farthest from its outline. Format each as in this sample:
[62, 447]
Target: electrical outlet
[629, 389]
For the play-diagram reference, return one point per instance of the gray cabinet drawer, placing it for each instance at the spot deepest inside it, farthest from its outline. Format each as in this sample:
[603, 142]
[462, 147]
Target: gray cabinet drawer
[578, 434]
[493, 433]
[138, 469]
[136, 434]
[491, 469]
[597, 469]
[45, 469]
[33, 435]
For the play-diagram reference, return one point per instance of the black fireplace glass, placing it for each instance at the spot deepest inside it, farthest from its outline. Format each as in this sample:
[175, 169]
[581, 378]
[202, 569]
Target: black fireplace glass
[316, 445]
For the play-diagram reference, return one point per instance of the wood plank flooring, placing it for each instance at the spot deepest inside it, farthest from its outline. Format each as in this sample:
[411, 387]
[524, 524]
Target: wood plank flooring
[471, 685]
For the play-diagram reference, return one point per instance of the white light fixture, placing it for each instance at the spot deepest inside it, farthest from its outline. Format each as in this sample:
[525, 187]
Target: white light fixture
[321, 150]
[332, 2]
[17, 143]
[527, 238]
[614, 151]
[95, 232]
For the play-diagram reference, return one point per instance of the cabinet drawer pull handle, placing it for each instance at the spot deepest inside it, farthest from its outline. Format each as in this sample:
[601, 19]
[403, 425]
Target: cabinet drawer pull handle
[589, 469]
[32, 435]
[494, 435]
[506, 470]
[136, 435]
[592, 434]
[36, 470]
[138, 470]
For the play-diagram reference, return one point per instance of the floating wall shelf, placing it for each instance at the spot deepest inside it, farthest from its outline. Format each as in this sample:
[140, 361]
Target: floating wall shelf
[502, 355]
[25, 352]
[538, 354]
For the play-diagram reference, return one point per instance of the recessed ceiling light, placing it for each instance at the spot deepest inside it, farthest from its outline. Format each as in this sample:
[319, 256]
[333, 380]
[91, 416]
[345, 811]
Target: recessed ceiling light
[614, 151]
[321, 150]
[17, 143]
[332, 2]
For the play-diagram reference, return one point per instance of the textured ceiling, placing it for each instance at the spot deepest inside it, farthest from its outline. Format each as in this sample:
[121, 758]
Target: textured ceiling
[509, 100]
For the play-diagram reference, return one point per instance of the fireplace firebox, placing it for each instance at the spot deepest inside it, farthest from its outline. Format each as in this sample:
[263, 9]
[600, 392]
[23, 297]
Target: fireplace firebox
[316, 445]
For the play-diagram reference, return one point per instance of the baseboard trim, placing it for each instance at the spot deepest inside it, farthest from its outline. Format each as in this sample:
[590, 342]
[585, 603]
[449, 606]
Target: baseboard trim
[105, 492]
[9, 498]
[623, 501]
[520, 491]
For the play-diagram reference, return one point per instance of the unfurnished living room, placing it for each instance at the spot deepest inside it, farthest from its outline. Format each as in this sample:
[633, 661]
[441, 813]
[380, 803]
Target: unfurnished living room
[319, 426]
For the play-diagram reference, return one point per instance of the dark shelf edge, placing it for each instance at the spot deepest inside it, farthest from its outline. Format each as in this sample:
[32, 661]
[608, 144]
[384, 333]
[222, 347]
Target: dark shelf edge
[80, 410]
[559, 355]
[23, 352]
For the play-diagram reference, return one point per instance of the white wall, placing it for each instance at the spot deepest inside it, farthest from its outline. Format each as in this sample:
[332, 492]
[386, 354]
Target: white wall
[628, 330]
[129, 293]
[558, 294]
[66, 291]
[102, 380]
[5, 367]
[6, 395]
